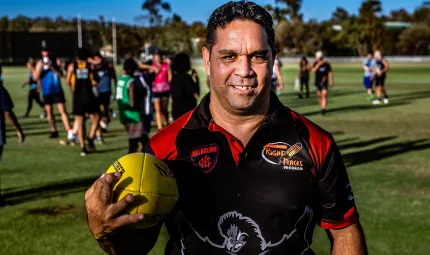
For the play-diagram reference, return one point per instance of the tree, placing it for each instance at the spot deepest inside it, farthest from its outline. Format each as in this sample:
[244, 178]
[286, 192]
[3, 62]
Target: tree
[153, 9]
[278, 14]
[174, 36]
[292, 7]
[339, 15]
[415, 40]
[400, 15]
[370, 12]
[422, 13]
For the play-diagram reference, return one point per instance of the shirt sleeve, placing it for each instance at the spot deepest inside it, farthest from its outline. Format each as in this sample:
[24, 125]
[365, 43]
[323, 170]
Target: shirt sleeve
[336, 199]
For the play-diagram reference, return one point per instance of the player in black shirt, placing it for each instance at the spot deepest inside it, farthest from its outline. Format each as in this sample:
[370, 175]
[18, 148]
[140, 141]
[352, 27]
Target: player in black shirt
[254, 177]
[380, 76]
[184, 89]
[323, 78]
[81, 78]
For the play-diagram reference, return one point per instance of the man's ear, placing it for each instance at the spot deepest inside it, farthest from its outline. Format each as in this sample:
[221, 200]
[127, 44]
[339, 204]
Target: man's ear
[206, 60]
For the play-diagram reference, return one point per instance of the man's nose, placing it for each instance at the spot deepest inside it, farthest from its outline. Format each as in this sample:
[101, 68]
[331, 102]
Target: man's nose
[244, 67]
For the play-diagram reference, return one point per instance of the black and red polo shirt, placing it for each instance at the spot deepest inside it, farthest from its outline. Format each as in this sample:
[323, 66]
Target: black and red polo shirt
[264, 198]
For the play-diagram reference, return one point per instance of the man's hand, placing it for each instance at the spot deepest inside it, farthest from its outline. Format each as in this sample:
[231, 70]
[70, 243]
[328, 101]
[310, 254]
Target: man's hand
[104, 217]
[331, 85]
[194, 74]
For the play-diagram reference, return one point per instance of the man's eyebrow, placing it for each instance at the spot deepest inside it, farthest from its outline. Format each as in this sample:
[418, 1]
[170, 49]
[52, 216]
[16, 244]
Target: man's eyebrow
[226, 52]
[256, 52]
[260, 52]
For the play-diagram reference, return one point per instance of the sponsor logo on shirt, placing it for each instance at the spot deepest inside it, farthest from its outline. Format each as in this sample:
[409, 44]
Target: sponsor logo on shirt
[282, 154]
[205, 157]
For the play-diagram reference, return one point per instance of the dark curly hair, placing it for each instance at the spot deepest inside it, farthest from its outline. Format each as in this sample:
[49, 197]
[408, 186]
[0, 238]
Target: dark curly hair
[239, 10]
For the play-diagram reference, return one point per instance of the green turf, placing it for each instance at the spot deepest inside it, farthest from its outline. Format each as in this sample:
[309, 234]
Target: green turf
[386, 149]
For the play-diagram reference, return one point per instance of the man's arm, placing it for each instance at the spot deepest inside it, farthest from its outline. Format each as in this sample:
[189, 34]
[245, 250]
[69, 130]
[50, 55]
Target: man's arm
[317, 66]
[113, 74]
[131, 93]
[331, 79]
[69, 74]
[279, 77]
[36, 71]
[386, 66]
[348, 241]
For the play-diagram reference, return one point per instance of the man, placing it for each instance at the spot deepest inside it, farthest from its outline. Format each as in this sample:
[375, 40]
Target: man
[323, 77]
[246, 184]
[80, 78]
[380, 72]
[368, 66]
[104, 73]
[6, 106]
[48, 74]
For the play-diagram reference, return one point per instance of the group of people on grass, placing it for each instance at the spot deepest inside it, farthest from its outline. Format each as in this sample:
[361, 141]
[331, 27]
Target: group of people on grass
[143, 92]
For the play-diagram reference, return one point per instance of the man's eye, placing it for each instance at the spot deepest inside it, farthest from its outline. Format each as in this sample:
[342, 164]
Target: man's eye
[259, 57]
[229, 57]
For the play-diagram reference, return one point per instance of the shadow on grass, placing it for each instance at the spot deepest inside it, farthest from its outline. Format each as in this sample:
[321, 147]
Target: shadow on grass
[54, 189]
[356, 108]
[383, 151]
[342, 146]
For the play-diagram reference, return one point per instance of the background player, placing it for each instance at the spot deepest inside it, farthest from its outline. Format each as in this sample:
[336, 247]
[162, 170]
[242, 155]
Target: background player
[80, 77]
[323, 77]
[48, 73]
[34, 91]
[6, 106]
[381, 69]
[128, 107]
[104, 73]
[161, 90]
[368, 66]
[303, 76]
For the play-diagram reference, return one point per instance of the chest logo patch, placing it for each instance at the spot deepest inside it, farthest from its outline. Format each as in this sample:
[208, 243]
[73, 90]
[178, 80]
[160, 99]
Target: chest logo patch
[205, 157]
[282, 154]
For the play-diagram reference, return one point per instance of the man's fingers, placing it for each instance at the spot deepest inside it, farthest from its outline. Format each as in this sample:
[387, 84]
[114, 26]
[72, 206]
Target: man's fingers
[117, 208]
[126, 220]
[104, 186]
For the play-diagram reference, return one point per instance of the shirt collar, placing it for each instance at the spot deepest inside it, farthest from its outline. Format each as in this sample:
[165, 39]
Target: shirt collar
[201, 117]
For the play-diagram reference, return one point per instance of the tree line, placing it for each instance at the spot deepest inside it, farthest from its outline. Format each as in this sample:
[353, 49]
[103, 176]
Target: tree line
[343, 34]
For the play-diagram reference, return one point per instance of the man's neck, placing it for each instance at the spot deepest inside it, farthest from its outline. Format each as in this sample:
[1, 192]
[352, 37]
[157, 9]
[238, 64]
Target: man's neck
[241, 127]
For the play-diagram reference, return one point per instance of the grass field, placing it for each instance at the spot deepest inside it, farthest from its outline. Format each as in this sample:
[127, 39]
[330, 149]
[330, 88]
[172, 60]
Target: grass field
[386, 149]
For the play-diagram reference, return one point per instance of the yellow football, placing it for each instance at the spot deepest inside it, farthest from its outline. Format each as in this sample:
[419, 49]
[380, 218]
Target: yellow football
[152, 184]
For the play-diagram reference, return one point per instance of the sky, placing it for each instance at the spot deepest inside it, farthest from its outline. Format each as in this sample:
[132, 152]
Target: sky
[189, 10]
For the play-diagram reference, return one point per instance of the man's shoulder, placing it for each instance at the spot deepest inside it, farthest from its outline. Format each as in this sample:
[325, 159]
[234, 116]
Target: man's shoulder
[311, 126]
[163, 143]
[319, 140]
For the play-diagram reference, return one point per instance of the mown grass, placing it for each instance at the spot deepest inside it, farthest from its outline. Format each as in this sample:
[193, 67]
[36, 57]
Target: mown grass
[386, 149]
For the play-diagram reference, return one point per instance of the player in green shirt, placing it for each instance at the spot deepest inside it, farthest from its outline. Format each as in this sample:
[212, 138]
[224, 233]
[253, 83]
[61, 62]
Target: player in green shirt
[128, 102]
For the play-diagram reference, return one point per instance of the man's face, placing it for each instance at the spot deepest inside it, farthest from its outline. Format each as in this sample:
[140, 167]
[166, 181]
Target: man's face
[97, 60]
[240, 67]
[369, 56]
[44, 53]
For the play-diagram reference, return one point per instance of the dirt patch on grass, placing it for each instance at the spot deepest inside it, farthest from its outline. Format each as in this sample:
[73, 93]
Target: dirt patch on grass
[52, 210]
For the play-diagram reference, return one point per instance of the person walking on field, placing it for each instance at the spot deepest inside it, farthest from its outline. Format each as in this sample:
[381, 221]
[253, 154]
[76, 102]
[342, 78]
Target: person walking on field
[380, 73]
[323, 77]
[303, 76]
[368, 79]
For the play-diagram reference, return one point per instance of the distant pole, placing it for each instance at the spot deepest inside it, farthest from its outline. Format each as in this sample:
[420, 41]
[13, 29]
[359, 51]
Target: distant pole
[79, 31]
[114, 41]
